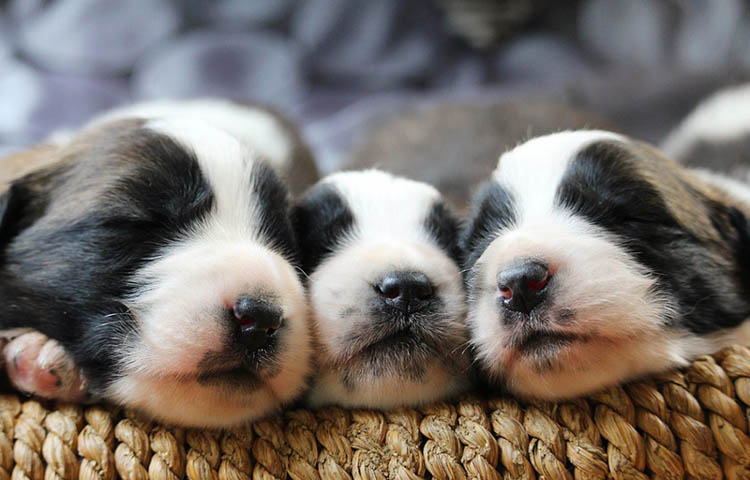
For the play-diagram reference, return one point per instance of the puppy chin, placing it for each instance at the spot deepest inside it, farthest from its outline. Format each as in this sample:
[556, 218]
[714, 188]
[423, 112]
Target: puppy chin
[584, 366]
[191, 404]
[376, 391]
[217, 400]
[600, 322]
[366, 359]
[197, 403]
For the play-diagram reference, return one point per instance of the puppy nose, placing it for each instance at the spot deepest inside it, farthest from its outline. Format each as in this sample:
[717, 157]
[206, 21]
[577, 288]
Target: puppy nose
[523, 286]
[258, 320]
[407, 291]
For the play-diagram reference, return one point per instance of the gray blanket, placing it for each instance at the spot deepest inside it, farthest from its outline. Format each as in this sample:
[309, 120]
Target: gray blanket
[332, 64]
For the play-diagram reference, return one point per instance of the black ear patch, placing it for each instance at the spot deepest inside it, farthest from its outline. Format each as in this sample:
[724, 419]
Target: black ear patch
[19, 207]
[444, 228]
[493, 209]
[603, 187]
[321, 219]
[272, 203]
[9, 212]
[738, 220]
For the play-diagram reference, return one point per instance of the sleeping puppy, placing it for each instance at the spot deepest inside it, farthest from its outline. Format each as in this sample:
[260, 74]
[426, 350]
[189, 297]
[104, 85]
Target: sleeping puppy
[385, 289]
[155, 248]
[593, 258]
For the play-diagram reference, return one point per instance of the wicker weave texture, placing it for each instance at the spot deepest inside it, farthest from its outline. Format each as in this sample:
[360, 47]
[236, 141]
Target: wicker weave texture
[687, 424]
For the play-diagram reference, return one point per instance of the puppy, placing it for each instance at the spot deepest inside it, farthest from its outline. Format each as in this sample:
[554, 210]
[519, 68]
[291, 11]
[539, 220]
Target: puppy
[593, 259]
[385, 289]
[155, 248]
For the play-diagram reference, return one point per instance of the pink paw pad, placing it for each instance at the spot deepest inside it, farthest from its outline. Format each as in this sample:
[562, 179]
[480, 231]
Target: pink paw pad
[39, 365]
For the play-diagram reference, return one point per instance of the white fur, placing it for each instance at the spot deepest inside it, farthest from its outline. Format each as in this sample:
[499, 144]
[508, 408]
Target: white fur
[738, 188]
[257, 129]
[389, 215]
[188, 287]
[385, 206]
[722, 117]
[592, 275]
[533, 169]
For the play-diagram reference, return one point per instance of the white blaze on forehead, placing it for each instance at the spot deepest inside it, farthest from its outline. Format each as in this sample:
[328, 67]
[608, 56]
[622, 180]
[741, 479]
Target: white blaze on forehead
[226, 164]
[254, 127]
[534, 170]
[385, 206]
[722, 117]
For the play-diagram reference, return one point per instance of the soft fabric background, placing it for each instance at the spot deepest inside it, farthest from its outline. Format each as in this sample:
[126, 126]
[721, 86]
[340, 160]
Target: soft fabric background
[332, 64]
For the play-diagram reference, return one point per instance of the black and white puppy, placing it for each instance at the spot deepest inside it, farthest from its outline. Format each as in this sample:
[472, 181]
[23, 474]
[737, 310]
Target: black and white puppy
[385, 289]
[156, 248]
[593, 258]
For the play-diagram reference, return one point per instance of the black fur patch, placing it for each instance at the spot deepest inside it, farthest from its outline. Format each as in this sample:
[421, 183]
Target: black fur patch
[66, 276]
[271, 199]
[493, 210]
[11, 204]
[602, 186]
[741, 245]
[444, 228]
[321, 220]
[24, 201]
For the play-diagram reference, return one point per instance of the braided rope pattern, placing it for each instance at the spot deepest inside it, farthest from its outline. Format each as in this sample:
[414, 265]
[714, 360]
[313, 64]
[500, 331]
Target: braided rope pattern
[688, 424]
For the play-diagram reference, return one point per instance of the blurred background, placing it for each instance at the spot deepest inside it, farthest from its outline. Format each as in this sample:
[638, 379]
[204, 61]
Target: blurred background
[334, 64]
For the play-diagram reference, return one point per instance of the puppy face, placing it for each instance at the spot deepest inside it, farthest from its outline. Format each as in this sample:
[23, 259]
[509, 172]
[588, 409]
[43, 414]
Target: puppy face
[594, 259]
[385, 289]
[160, 254]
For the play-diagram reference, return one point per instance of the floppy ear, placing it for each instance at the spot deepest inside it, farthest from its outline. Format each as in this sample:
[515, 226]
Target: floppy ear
[13, 298]
[5, 206]
[740, 223]
[11, 211]
[25, 179]
[22, 203]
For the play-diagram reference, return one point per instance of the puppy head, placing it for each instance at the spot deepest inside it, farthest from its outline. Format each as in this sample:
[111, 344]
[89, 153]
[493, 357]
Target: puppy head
[160, 254]
[385, 289]
[593, 259]
[267, 132]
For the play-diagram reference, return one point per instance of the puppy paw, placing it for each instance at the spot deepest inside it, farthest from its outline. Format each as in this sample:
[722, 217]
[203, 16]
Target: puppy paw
[38, 365]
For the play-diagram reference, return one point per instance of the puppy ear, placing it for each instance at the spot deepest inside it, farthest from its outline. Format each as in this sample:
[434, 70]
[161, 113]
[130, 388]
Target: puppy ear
[741, 244]
[6, 208]
[493, 209]
[23, 201]
[25, 180]
[321, 219]
[11, 212]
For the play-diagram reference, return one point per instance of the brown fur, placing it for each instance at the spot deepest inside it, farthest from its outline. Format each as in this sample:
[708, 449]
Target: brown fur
[75, 174]
[686, 197]
[682, 190]
[303, 171]
[18, 164]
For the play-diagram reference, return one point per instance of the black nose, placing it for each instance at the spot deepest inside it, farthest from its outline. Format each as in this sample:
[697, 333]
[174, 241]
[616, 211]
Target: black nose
[257, 319]
[523, 286]
[406, 291]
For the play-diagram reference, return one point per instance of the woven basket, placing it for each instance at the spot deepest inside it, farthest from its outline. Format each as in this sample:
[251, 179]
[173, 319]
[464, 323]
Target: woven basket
[687, 424]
